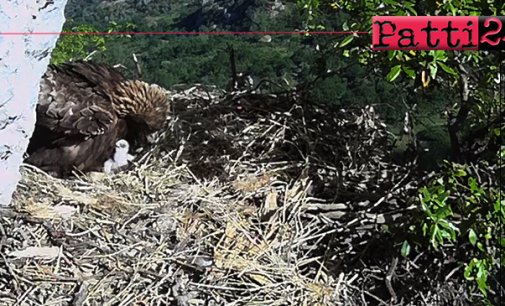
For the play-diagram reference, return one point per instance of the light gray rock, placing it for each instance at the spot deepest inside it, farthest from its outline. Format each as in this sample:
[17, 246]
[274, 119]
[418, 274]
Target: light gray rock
[23, 61]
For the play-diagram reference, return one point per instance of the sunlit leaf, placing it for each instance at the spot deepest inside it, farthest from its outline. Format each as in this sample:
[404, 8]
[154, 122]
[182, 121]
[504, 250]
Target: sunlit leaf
[433, 70]
[459, 173]
[439, 55]
[472, 236]
[446, 68]
[405, 249]
[409, 71]
[468, 270]
[411, 9]
[346, 41]
[391, 54]
[394, 73]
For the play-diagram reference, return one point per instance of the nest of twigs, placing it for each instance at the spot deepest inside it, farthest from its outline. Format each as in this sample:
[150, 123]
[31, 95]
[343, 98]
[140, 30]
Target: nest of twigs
[245, 199]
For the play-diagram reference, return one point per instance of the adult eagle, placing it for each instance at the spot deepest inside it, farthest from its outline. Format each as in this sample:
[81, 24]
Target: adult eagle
[84, 109]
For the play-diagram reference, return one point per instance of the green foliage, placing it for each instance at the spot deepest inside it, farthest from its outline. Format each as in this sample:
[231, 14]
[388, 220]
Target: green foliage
[409, 61]
[455, 209]
[70, 46]
[78, 46]
[330, 91]
[394, 73]
[309, 6]
[288, 60]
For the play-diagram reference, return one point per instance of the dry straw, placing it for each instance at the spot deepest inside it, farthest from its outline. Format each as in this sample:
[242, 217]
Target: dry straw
[244, 199]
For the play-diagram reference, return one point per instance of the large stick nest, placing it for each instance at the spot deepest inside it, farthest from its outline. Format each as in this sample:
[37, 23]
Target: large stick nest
[244, 199]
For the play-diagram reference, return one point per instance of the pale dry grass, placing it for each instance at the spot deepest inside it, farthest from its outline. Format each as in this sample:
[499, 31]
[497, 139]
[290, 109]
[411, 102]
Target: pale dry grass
[278, 203]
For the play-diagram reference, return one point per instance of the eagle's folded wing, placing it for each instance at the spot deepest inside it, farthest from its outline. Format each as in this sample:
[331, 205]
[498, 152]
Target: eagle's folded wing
[72, 110]
[89, 121]
[101, 78]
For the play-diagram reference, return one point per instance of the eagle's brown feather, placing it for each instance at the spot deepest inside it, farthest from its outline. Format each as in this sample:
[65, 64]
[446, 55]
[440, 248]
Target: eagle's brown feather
[83, 109]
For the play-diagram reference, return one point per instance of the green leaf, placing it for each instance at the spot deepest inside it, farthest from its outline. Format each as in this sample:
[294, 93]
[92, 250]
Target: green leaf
[472, 183]
[459, 173]
[440, 236]
[476, 57]
[391, 54]
[482, 285]
[405, 249]
[451, 229]
[439, 55]
[442, 196]
[391, 2]
[468, 270]
[434, 235]
[443, 212]
[433, 70]
[409, 6]
[409, 71]
[346, 41]
[472, 236]
[425, 229]
[446, 68]
[394, 73]
[452, 8]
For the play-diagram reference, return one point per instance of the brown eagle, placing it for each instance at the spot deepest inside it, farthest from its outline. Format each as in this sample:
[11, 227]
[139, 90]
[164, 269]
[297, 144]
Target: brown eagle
[84, 109]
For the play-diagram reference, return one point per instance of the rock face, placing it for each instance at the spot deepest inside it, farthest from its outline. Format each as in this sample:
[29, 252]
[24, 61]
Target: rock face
[23, 61]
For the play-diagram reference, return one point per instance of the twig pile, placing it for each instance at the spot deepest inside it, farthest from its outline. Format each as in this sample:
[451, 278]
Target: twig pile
[244, 199]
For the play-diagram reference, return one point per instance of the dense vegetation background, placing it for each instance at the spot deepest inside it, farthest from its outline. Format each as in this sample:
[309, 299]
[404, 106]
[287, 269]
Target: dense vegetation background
[289, 60]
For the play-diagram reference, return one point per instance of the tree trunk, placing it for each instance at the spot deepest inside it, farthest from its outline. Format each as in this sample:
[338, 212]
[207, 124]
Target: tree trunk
[23, 61]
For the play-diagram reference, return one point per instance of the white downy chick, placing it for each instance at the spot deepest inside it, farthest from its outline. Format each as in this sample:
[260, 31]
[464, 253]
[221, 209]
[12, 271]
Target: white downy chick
[120, 159]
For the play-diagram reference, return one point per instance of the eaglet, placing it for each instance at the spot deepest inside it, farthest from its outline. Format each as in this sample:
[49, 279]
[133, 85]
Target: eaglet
[120, 159]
